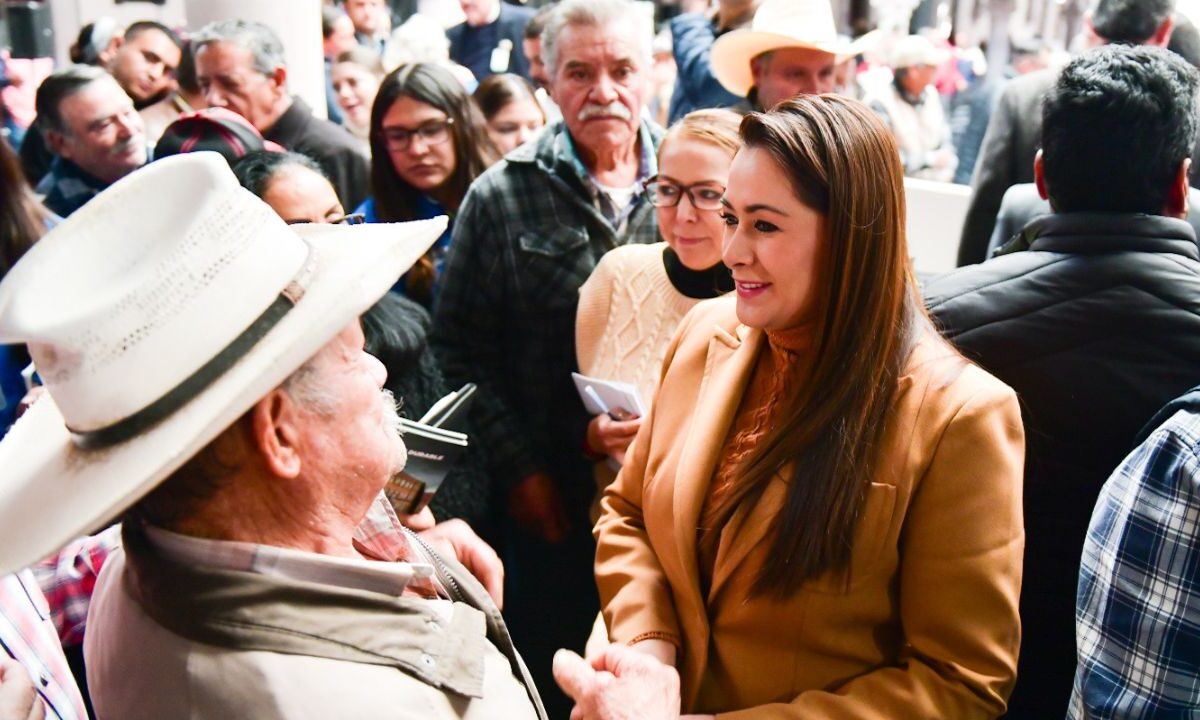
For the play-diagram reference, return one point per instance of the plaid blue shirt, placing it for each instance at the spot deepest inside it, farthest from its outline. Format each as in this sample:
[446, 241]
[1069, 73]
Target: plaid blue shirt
[527, 236]
[66, 188]
[1138, 604]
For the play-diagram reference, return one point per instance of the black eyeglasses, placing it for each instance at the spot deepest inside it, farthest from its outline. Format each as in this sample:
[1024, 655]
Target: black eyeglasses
[351, 219]
[434, 132]
[664, 193]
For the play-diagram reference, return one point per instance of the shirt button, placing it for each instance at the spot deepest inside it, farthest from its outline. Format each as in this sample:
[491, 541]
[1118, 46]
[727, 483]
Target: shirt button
[44, 679]
[428, 660]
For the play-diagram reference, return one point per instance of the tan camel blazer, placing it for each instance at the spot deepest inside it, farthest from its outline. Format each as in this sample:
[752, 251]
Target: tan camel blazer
[924, 626]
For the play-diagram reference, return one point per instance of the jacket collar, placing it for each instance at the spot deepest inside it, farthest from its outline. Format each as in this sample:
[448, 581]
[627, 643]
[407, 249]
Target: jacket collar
[1189, 401]
[250, 611]
[291, 125]
[553, 151]
[1088, 233]
[728, 366]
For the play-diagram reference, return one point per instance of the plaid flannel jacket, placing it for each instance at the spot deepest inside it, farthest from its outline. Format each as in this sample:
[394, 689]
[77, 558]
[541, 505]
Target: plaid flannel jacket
[527, 236]
[66, 188]
[1138, 604]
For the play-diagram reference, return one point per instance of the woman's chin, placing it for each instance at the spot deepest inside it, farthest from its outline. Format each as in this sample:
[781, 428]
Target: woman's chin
[695, 254]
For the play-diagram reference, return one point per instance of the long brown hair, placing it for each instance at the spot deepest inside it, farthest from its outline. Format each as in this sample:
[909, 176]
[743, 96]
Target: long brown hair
[843, 162]
[22, 217]
[396, 200]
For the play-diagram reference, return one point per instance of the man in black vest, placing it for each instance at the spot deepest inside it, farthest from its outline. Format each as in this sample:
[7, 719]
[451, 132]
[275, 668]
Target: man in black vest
[1094, 320]
[1014, 129]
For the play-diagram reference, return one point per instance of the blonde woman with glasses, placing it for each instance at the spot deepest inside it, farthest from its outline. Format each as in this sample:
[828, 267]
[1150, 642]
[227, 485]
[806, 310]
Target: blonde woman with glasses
[633, 301]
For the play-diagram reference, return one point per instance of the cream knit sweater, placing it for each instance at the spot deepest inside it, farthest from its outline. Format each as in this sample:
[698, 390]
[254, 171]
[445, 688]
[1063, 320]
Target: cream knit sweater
[628, 313]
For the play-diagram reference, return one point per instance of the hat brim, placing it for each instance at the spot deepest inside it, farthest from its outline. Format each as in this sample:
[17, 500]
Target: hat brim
[52, 492]
[732, 53]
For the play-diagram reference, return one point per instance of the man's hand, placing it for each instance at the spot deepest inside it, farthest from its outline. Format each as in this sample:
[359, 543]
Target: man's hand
[536, 506]
[419, 522]
[611, 437]
[18, 698]
[619, 684]
[457, 539]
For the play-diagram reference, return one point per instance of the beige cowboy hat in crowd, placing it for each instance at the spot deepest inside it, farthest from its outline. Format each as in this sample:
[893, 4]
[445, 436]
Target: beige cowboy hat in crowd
[915, 50]
[157, 315]
[780, 24]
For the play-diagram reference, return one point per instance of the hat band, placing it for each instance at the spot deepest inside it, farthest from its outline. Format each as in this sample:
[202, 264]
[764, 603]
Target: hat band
[196, 383]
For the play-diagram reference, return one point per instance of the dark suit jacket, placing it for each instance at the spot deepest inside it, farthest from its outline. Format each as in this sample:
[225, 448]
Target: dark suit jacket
[334, 149]
[1014, 134]
[1022, 204]
[512, 22]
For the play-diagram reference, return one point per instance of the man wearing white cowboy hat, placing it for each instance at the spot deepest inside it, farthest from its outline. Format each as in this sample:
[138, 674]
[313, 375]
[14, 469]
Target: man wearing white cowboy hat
[206, 376]
[791, 48]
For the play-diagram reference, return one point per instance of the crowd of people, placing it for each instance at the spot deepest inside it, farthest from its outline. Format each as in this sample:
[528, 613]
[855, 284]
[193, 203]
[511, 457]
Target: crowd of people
[814, 485]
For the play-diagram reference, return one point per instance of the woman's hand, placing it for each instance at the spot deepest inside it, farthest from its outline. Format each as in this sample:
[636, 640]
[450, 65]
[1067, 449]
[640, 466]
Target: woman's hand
[612, 437]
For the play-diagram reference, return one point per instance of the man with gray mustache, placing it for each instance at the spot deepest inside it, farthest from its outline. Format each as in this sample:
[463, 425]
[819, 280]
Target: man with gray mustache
[92, 128]
[529, 232]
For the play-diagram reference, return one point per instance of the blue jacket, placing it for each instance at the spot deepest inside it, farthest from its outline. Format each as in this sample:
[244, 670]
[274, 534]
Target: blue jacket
[426, 208]
[696, 87]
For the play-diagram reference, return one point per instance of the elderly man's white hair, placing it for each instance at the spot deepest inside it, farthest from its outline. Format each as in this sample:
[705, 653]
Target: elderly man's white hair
[594, 13]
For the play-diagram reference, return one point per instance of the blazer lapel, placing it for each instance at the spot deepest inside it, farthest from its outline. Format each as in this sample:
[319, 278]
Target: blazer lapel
[746, 529]
[728, 367]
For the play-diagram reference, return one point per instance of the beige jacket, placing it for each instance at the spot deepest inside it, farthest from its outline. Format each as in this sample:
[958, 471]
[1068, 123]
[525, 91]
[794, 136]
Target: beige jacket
[926, 625]
[169, 641]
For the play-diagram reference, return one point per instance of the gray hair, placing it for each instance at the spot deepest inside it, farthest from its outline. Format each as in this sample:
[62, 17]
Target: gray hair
[594, 13]
[305, 388]
[262, 42]
[59, 86]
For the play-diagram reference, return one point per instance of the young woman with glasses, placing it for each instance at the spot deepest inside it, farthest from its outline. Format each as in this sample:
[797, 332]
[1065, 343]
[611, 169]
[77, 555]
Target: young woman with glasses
[633, 301]
[428, 143]
[821, 515]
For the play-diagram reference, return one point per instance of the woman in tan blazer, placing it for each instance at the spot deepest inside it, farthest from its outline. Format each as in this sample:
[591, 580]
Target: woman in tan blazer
[821, 515]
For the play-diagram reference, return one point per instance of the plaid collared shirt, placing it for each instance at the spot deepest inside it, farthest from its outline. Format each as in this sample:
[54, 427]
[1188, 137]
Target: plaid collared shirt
[602, 200]
[35, 622]
[66, 188]
[1138, 604]
[527, 236]
[68, 577]
[28, 636]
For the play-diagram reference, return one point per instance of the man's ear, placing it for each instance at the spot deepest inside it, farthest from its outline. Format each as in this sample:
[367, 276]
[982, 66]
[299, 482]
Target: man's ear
[1177, 198]
[758, 67]
[56, 141]
[1162, 35]
[1091, 38]
[1039, 176]
[279, 78]
[275, 432]
[108, 54]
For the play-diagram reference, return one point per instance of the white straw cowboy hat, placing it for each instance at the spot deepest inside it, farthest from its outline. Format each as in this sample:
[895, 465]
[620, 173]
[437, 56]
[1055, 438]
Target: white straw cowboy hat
[914, 50]
[780, 24]
[157, 315]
